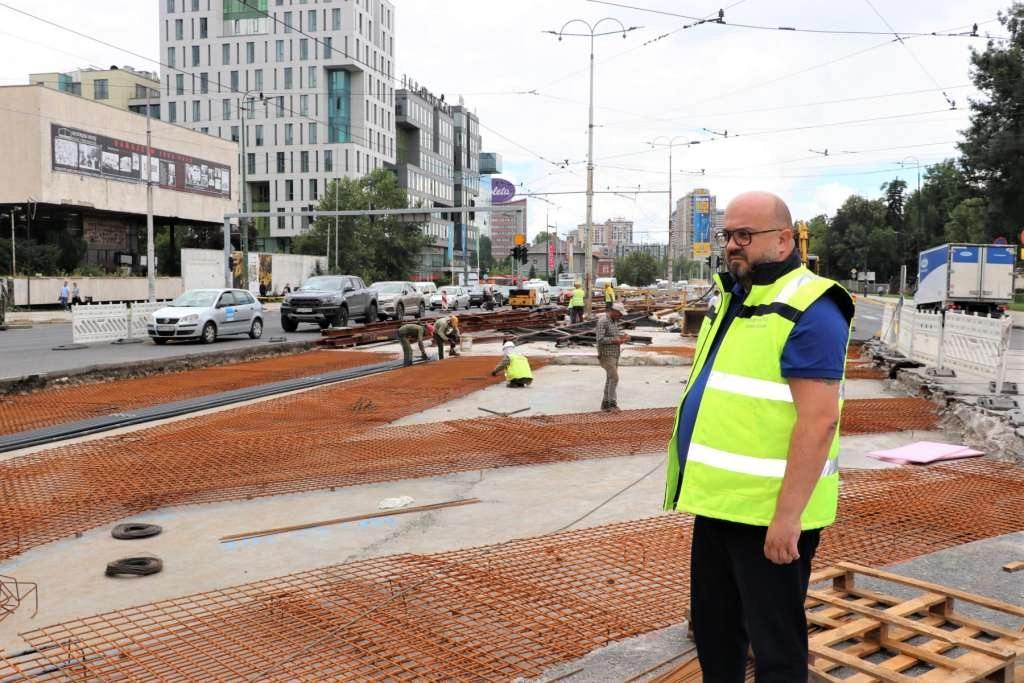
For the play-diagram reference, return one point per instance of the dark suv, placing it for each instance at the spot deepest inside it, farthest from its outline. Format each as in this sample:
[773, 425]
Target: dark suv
[329, 301]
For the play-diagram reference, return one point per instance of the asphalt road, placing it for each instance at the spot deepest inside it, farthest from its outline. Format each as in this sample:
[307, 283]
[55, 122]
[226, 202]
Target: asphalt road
[32, 351]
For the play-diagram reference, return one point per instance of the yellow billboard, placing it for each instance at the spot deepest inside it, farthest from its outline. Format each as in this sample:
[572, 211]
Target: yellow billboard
[701, 249]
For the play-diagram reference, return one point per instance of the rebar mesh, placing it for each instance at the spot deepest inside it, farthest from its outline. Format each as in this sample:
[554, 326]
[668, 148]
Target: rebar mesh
[325, 438]
[68, 404]
[494, 613]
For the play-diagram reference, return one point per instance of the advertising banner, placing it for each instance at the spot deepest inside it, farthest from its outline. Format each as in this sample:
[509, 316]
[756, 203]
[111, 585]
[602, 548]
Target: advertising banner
[77, 151]
[551, 254]
[502, 191]
[701, 219]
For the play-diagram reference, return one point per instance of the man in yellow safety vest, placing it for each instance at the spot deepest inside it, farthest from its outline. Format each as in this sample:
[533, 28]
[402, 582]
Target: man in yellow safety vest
[515, 365]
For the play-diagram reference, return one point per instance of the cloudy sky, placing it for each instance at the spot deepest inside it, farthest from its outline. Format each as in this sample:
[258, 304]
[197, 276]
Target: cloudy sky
[868, 99]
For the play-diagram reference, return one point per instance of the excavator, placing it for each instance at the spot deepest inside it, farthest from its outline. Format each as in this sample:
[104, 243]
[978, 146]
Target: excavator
[803, 236]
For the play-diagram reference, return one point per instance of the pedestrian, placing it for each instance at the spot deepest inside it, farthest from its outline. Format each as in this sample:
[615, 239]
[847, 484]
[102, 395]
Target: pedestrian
[609, 295]
[444, 299]
[287, 288]
[609, 343]
[446, 331]
[576, 304]
[406, 333]
[76, 294]
[516, 367]
[63, 297]
[754, 449]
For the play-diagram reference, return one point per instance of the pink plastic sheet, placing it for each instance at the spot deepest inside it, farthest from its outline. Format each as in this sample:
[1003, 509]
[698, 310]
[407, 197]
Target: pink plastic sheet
[924, 452]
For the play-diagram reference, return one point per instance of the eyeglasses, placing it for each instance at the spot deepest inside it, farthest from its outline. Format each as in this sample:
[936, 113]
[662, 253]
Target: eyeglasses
[741, 236]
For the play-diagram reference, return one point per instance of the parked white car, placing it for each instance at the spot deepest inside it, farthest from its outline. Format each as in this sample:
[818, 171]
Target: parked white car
[543, 295]
[457, 298]
[206, 314]
[396, 298]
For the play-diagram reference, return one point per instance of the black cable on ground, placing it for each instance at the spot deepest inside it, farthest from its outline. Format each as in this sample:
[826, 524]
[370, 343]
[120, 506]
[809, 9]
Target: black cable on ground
[135, 566]
[135, 530]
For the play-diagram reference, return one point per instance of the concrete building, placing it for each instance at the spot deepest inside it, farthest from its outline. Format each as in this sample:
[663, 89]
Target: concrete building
[694, 224]
[121, 87]
[75, 172]
[313, 78]
[612, 232]
[466, 178]
[504, 227]
[654, 250]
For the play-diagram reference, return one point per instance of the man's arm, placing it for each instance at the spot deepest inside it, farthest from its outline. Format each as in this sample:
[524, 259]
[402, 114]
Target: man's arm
[502, 364]
[817, 409]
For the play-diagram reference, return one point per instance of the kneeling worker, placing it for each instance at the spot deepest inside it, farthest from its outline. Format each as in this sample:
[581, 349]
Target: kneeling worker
[515, 365]
[406, 333]
[446, 330]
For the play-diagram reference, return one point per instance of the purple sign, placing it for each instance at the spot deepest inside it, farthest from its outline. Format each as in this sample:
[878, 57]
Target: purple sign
[502, 191]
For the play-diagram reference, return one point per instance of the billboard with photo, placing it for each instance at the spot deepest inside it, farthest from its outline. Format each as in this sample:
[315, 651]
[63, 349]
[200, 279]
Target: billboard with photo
[83, 153]
[701, 218]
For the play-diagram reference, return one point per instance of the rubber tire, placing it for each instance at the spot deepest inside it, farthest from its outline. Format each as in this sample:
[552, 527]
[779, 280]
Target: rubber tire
[325, 323]
[289, 325]
[135, 530]
[159, 341]
[421, 311]
[341, 320]
[209, 332]
[371, 313]
[135, 566]
[400, 312]
[256, 331]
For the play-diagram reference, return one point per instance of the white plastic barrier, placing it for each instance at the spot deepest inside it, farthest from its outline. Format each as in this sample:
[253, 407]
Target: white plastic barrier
[139, 316]
[976, 344]
[92, 323]
[919, 334]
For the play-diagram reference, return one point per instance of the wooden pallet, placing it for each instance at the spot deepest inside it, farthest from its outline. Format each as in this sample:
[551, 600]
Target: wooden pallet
[864, 636]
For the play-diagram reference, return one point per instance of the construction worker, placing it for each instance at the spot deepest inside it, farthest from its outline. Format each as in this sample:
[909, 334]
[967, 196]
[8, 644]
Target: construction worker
[406, 333]
[516, 367]
[609, 345]
[609, 295]
[754, 451]
[446, 331]
[576, 304]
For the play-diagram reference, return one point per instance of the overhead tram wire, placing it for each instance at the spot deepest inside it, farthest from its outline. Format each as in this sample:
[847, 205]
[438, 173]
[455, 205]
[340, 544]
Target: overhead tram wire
[793, 29]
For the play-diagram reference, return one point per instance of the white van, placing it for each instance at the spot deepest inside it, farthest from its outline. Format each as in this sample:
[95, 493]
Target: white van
[600, 282]
[543, 291]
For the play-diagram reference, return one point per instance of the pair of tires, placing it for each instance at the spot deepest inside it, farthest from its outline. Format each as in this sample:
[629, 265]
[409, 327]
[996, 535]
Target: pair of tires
[400, 312]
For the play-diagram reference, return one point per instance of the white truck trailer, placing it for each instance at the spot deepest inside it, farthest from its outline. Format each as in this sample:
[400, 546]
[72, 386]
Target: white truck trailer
[977, 278]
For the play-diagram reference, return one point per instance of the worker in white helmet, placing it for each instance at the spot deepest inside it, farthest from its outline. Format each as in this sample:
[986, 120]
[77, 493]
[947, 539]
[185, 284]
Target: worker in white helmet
[515, 365]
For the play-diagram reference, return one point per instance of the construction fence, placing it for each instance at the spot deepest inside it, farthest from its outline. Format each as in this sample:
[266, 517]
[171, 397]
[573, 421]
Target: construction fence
[973, 344]
[95, 323]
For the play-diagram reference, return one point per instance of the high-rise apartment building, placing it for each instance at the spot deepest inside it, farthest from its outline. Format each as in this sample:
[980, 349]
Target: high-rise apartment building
[314, 81]
[121, 87]
[612, 232]
[467, 174]
[504, 227]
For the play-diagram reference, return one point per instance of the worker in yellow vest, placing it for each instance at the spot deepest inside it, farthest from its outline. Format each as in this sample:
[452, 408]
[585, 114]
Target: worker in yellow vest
[576, 304]
[609, 295]
[754, 451]
[516, 367]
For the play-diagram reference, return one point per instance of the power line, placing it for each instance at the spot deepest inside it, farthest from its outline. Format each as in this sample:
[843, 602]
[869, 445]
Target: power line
[793, 29]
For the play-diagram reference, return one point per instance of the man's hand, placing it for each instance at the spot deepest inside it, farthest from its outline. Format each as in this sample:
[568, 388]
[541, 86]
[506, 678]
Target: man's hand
[780, 543]
[623, 338]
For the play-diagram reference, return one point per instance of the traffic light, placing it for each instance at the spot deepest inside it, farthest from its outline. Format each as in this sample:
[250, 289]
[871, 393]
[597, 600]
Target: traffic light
[524, 255]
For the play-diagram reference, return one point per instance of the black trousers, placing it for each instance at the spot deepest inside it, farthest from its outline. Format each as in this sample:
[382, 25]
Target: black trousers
[739, 598]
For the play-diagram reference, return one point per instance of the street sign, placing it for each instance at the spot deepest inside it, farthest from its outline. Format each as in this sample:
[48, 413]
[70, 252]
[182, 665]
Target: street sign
[701, 249]
[1001, 241]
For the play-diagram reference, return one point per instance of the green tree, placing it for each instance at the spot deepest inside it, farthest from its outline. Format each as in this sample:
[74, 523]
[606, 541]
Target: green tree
[375, 248]
[859, 238]
[943, 188]
[895, 198]
[486, 257]
[542, 236]
[533, 271]
[994, 141]
[968, 222]
[818, 244]
[636, 268]
[685, 269]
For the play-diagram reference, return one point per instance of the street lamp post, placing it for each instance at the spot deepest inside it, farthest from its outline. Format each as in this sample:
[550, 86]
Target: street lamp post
[917, 235]
[243, 222]
[588, 247]
[671, 209]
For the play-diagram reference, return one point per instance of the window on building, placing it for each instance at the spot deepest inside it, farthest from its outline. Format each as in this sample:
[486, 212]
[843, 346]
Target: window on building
[328, 160]
[336, 19]
[203, 27]
[279, 50]
[303, 105]
[289, 137]
[257, 77]
[303, 49]
[170, 6]
[195, 55]
[313, 194]
[196, 115]
[280, 162]
[234, 81]
[179, 29]
[250, 162]
[172, 111]
[280, 106]
[303, 162]
[327, 47]
[225, 54]
[234, 133]
[195, 5]
[287, 22]
[289, 191]
[226, 109]
[170, 56]
[287, 78]
[259, 136]
[311, 20]
[250, 53]
[311, 77]
[312, 133]
[179, 84]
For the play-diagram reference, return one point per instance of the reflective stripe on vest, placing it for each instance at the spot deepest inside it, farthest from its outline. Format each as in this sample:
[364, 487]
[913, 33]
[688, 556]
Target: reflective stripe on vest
[518, 367]
[740, 442]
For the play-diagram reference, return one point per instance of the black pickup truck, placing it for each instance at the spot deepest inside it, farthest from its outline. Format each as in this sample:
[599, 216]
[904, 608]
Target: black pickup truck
[329, 301]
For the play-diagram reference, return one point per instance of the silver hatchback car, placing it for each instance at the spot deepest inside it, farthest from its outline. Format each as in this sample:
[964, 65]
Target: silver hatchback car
[206, 314]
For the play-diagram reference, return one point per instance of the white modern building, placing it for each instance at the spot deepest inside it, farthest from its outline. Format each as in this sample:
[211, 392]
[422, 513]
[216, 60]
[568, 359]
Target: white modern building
[312, 79]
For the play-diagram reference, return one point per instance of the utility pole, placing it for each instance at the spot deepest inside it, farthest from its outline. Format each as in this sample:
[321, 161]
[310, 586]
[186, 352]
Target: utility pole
[14, 261]
[243, 222]
[588, 248]
[150, 247]
[671, 208]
